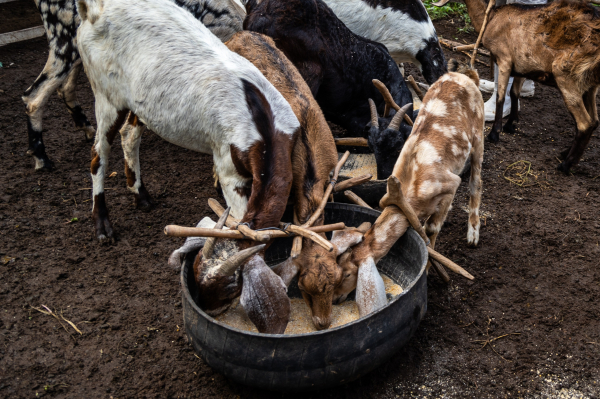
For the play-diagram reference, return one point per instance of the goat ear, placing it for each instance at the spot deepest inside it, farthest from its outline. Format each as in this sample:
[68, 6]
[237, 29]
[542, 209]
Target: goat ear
[344, 239]
[287, 270]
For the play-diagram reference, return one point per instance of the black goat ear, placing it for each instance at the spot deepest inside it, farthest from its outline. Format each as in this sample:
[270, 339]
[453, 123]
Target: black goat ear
[453, 65]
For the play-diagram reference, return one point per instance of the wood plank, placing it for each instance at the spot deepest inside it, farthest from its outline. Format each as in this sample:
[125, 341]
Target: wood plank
[21, 35]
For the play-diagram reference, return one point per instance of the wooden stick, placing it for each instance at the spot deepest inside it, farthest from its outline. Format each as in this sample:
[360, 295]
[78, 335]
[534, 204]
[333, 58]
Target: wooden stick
[485, 20]
[297, 244]
[394, 196]
[440, 271]
[355, 199]
[182, 231]
[457, 46]
[352, 141]
[355, 181]
[415, 87]
[464, 48]
[328, 191]
[245, 230]
[449, 264]
[311, 236]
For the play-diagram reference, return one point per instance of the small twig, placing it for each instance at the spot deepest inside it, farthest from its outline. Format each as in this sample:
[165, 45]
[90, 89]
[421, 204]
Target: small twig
[58, 318]
[483, 26]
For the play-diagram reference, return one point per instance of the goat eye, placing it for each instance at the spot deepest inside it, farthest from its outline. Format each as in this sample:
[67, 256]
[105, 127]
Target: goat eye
[347, 275]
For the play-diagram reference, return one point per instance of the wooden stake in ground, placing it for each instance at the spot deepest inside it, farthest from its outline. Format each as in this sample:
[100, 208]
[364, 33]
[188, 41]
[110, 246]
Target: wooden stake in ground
[483, 26]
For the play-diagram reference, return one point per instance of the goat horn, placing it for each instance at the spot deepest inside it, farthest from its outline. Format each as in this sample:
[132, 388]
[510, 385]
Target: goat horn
[387, 97]
[229, 267]
[374, 117]
[209, 245]
[397, 119]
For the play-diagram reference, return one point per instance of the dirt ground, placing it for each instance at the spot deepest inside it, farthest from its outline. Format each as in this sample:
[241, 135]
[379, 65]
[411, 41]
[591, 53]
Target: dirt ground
[534, 301]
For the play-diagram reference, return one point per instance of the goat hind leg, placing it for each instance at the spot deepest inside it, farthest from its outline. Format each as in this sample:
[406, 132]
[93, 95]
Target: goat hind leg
[35, 98]
[131, 136]
[475, 188]
[503, 78]
[67, 92]
[109, 121]
[586, 124]
[513, 118]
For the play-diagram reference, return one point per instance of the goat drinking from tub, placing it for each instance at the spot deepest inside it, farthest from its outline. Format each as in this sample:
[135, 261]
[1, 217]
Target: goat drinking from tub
[448, 131]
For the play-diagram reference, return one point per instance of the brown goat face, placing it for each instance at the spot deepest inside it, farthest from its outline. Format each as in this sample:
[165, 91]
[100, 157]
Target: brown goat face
[319, 275]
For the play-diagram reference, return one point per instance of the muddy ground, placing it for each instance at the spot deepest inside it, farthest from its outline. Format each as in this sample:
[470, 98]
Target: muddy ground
[535, 297]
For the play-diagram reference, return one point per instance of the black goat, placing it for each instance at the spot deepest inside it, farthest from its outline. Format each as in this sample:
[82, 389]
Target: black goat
[338, 65]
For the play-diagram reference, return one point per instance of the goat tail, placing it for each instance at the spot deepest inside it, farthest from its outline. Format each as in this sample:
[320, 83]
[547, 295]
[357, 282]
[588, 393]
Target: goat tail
[465, 69]
[90, 10]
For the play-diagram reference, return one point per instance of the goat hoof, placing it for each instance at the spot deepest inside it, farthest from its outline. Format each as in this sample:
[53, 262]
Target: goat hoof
[44, 165]
[493, 137]
[143, 201]
[104, 232]
[509, 128]
[90, 133]
[563, 167]
[144, 205]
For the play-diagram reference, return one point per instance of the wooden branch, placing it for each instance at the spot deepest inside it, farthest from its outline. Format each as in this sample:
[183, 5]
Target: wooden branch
[415, 87]
[235, 225]
[297, 243]
[181, 231]
[457, 46]
[355, 199]
[306, 233]
[328, 191]
[485, 21]
[355, 181]
[352, 141]
[449, 264]
[21, 35]
[440, 271]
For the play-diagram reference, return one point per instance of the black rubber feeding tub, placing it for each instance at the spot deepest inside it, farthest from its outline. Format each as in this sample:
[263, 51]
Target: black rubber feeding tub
[321, 359]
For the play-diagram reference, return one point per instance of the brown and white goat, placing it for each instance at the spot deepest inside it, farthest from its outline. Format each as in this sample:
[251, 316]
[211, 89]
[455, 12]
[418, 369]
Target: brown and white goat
[170, 73]
[314, 156]
[557, 44]
[447, 132]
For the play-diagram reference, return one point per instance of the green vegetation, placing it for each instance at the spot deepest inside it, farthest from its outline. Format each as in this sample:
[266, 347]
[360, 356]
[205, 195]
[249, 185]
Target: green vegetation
[450, 10]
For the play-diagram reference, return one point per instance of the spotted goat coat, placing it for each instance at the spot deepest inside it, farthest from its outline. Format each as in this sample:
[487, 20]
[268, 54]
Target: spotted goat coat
[448, 131]
[61, 20]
